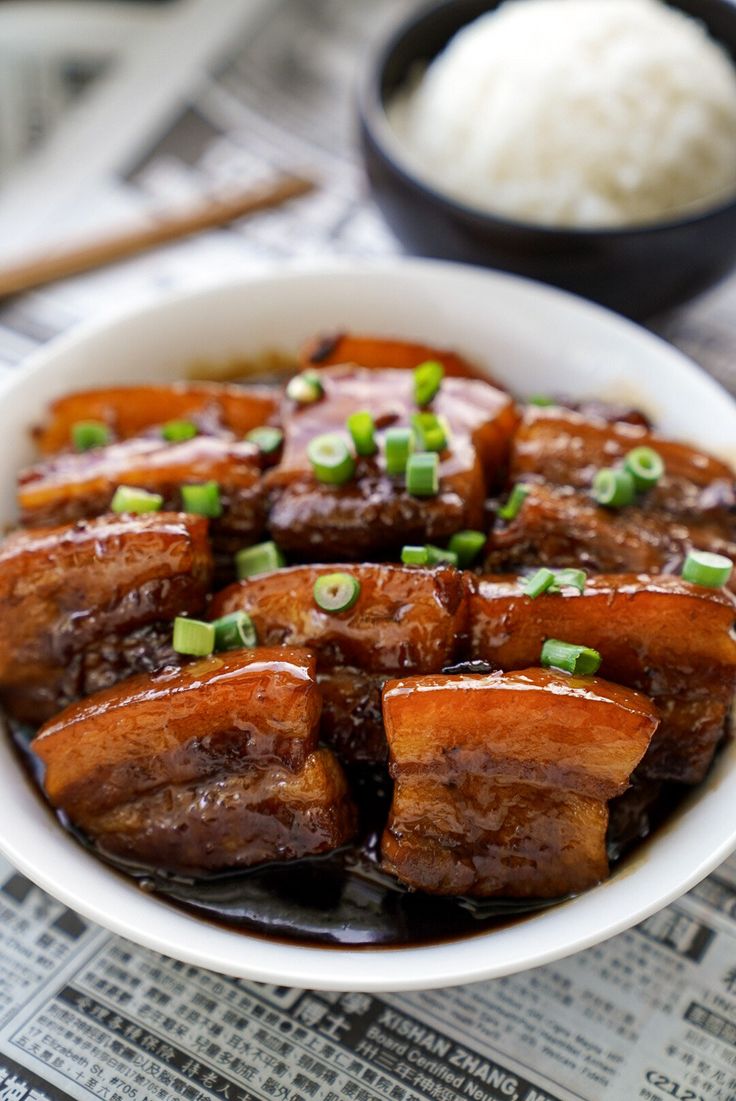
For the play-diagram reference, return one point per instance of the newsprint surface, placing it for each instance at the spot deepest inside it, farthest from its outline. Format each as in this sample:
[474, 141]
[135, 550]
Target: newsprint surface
[648, 1016]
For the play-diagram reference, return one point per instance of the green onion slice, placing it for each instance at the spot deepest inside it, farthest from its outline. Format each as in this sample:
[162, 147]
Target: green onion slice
[541, 400]
[467, 545]
[88, 434]
[427, 381]
[336, 592]
[261, 558]
[516, 499]
[429, 431]
[235, 631]
[540, 582]
[613, 488]
[414, 556]
[708, 569]
[423, 474]
[645, 465]
[130, 499]
[570, 658]
[362, 429]
[399, 444]
[202, 499]
[194, 637]
[437, 556]
[569, 578]
[178, 431]
[266, 438]
[305, 389]
[331, 460]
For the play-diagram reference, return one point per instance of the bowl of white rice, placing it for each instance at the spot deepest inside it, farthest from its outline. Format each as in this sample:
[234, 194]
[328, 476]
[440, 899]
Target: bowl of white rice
[586, 143]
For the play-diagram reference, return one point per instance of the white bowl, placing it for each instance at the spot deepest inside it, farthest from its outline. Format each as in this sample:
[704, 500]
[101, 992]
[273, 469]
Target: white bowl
[533, 338]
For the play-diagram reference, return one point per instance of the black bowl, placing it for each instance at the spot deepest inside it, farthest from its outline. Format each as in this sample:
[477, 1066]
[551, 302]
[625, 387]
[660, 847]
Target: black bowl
[639, 272]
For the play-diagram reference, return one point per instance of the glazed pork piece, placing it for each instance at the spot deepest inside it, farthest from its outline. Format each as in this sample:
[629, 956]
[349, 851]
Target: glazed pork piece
[664, 637]
[373, 513]
[335, 349]
[71, 486]
[567, 448]
[405, 620]
[560, 527]
[127, 411]
[208, 767]
[85, 605]
[502, 782]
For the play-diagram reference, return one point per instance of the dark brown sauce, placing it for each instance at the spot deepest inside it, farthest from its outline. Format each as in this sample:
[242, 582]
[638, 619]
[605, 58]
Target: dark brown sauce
[344, 899]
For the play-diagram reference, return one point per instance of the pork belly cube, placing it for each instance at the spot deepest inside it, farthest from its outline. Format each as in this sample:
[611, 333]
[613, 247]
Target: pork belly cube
[374, 513]
[660, 635]
[567, 448]
[560, 527]
[85, 605]
[406, 619]
[210, 766]
[502, 781]
[335, 349]
[71, 486]
[215, 408]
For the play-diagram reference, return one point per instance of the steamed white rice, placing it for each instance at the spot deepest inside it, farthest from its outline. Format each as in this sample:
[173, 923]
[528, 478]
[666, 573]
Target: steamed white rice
[577, 113]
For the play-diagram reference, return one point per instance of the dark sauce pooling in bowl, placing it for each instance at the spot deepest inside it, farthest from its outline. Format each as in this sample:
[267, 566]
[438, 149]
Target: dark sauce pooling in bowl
[343, 898]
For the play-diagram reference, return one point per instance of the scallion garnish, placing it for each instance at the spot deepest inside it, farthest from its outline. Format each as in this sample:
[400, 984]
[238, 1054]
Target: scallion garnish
[261, 558]
[131, 499]
[336, 592]
[423, 474]
[429, 432]
[178, 431]
[427, 381]
[569, 578]
[645, 465]
[398, 444]
[362, 429]
[708, 569]
[467, 545]
[516, 499]
[88, 434]
[552, 581]
[570, 658]
[266, 438]
[540, 582]
[613, 488]
[414, 556]
[235, 631]
[305, 388]
[540, 399]
[331, 460]
[193, 637]
[202, 499]
[437, 556]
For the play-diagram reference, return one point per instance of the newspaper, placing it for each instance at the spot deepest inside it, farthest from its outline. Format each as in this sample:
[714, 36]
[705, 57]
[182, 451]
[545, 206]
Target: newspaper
[648, 1016]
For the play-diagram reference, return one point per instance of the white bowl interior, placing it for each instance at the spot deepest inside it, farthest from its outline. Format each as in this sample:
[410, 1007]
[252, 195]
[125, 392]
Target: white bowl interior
[534, 339]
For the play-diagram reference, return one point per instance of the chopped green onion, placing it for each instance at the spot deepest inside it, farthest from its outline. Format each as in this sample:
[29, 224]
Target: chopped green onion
[613, 488]
[427, 381]
[570, 658]
[645, 466]
[399, 444]
[429, 431]
[267, 439]
[540, 582]
[414, 556]
[708, 569]
[467, 545]
[235, 631]
[130, 499]
[423, 474]
[541, 400]
[569, 578]
[178, 431]
[89, 434]
[193, 636]
[336, 592]
[516, 499]
[362, 428]
[331, 460]
[262, 558]
[305, 388]
[437, 556]
[202, 499]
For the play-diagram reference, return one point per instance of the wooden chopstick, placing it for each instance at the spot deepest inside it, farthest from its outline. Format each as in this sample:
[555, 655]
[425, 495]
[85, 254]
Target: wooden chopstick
[45, 269]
